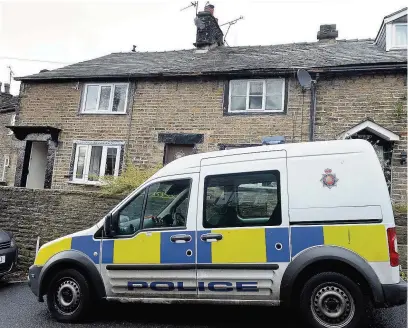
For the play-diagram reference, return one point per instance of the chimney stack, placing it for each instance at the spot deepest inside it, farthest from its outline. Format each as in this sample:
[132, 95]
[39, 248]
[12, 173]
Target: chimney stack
[0, 86]
[7, 88]
[327, 32]
[209, 34]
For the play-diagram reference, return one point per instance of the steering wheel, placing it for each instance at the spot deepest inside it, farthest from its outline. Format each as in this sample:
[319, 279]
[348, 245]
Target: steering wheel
[178, 219]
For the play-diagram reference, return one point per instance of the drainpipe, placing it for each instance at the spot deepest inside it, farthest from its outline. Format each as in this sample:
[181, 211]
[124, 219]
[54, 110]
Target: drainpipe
[312, 124]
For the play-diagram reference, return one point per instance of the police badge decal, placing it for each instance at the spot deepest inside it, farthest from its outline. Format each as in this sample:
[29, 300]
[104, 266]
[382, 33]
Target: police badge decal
[329, 179]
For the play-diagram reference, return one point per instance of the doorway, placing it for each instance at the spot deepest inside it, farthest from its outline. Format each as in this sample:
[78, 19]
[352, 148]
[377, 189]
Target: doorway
[35, 164]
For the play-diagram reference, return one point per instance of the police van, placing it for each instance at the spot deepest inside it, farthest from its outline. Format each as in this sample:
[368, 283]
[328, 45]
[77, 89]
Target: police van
[309, 226]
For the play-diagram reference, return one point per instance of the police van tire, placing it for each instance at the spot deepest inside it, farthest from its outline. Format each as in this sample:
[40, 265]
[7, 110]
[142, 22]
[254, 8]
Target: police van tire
[332, 300]
[68, 296]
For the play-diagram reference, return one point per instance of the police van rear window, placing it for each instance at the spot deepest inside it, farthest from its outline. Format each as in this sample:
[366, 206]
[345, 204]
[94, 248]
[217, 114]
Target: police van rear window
[243, 199]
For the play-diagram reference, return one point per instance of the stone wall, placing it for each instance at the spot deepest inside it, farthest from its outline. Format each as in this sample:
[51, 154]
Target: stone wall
[345, 102]
[48, 214]
[181, 106]
[6, 148]
[196, 106]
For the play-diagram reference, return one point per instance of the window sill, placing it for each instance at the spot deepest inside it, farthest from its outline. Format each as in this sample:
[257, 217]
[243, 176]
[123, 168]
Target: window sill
[398, 48]
[102, 113]
[86, 183]
[255, 112]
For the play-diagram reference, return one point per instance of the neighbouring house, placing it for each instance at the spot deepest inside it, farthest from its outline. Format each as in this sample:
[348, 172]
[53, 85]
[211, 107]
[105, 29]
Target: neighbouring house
[8, 108]
[83, 121]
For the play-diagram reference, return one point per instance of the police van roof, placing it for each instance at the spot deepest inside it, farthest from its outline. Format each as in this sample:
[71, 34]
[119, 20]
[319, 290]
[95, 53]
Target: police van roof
[192, 163]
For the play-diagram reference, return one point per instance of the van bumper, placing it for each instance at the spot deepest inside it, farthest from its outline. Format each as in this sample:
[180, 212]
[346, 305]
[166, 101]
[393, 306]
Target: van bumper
[33, 279]
[395, 294]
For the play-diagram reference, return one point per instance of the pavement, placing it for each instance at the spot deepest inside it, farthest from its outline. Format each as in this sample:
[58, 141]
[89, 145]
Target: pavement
[19, 308]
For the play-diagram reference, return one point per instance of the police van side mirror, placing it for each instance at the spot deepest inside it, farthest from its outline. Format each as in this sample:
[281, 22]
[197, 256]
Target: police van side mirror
[111, 225]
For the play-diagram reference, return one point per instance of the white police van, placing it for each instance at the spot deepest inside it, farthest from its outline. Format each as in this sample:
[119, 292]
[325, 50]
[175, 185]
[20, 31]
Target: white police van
[309, 226]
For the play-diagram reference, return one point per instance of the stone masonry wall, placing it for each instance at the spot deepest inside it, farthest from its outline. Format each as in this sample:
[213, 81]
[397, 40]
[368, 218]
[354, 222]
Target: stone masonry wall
[184, 106]
[196, 106]
[48, 214]
[6, 148]
[345, 102]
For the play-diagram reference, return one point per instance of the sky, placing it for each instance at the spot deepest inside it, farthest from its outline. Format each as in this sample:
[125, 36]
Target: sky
[37, 35]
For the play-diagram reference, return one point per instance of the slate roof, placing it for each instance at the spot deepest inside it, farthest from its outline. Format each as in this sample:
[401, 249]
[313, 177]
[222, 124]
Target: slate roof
[8, 103]
[228, 60]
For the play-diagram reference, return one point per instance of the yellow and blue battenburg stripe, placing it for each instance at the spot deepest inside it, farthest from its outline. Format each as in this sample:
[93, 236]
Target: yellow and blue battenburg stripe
[239, 245]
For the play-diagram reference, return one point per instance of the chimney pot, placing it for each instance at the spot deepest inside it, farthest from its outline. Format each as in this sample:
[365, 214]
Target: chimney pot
[327, 32]
[210, 8]
[7, 88]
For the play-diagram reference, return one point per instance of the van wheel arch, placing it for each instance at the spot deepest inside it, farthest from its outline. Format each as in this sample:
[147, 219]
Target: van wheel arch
[72, 260]
[329, 259]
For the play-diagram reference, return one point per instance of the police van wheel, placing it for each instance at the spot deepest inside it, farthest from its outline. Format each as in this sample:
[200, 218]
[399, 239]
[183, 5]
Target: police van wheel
[332, 300]
[68, 296]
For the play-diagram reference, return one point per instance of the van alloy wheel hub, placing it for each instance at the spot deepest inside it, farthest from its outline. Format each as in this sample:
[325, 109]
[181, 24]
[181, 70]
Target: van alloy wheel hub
[332, 305]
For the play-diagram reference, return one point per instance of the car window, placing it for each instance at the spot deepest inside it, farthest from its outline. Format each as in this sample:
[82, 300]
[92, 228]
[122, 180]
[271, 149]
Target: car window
[167, 204]
[130, 215]
[247, 199]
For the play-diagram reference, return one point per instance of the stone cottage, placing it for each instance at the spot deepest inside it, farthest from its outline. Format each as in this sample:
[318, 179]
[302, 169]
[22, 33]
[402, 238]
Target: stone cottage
[80, 122]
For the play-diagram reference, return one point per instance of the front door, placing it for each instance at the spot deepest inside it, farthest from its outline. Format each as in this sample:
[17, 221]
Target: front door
[242, 222]
[37, 165]
[153, 255]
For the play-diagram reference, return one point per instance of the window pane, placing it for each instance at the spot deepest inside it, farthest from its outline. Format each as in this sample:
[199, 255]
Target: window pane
[237, 200]
[255, 102]
[163, 201]
[129, 216]
[256, 88]
[119, 98]
[105, 98]
[110, 161]
[238, 103]
[274, 102]
[95, 163]
[238, 88]
[274, 87]
[91, 97]
[400, 35]
[81, 162]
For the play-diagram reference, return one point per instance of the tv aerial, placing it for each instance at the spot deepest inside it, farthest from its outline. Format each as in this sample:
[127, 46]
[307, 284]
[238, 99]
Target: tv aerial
[230, 23]
[192, 4]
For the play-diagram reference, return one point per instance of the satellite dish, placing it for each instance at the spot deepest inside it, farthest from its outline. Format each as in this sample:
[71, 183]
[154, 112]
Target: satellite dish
[304, 78]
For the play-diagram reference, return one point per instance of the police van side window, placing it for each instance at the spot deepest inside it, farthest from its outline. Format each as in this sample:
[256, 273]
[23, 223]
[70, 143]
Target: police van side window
[241, 200]
[166, 206]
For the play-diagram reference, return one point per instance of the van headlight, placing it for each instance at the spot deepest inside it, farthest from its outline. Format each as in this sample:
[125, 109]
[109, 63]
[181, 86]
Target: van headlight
[13, 242]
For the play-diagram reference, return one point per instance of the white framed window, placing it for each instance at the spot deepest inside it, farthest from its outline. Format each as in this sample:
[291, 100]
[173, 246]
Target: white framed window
[12, 123]
[260, 95]
[106, 98]
[399, 39]
[93, 161]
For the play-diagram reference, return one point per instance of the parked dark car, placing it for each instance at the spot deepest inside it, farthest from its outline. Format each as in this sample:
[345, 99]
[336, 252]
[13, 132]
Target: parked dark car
[8, 253]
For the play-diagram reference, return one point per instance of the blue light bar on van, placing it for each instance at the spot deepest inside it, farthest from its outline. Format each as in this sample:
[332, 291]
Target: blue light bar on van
[273, 140]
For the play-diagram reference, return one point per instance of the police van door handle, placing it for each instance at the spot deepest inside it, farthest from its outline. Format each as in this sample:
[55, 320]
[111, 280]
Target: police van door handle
[180, 238]
[211, 237]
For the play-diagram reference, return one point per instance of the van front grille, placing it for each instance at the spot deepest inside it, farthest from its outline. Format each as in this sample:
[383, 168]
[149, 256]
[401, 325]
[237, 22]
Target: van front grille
[5, 245]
